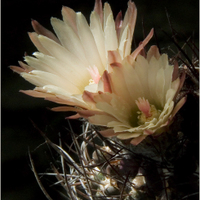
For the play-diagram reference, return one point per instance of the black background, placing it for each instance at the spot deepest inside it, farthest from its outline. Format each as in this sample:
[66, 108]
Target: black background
[18, 110]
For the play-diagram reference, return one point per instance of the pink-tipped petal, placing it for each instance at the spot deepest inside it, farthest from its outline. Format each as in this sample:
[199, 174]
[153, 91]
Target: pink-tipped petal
[16, 69]
[182, 80]
[26, 67]
[142, 52]
[76, 116]
[98, 9]
[137, 140]
[34, 38]
[130, 18]
[46, 96]
[175, 72]
[69, 17]
[178, 106]
[34, 93]
[108, 133]
[64, 109]
[148, 132]
[153, 51]
[142, 44]
[180, 83]
[39, 29]
[88, 113]
[118, 23]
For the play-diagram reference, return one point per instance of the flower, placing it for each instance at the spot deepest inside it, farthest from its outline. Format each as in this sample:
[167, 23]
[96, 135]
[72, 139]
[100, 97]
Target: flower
[141, 97]
[75, 60]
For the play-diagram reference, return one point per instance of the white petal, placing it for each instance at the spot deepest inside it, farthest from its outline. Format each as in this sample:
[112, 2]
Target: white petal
[69, 99]
[159, 87]
[119, 86]
[69, 39]
[106, 11]
[152, 73]
[96, 28]
[61, 69]
[123, 42]
[129, 20]
[88, 43]
[111, 41]
[69, 17]
[40, 78]
[118, 109]
[133, 82]
[168, 77]
[65, 56]
[142, 68]
[169, 95]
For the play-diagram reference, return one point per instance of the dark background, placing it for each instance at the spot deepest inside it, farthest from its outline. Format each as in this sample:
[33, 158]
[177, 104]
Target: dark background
[18, 110]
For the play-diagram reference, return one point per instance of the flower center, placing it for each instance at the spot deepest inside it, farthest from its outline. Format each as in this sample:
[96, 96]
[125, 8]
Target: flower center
[147, 111]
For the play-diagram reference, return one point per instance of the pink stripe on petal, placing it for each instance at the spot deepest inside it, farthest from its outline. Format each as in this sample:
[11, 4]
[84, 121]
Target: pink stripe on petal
[114, 57]
[116, 65]
[88, 96]
[106, 82]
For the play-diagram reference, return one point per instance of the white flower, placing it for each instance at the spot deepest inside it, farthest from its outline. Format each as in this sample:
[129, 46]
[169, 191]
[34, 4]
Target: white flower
[140, 98]
[75, 59]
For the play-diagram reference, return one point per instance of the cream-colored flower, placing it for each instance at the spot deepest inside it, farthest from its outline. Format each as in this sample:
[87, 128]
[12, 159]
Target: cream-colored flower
[75, 59]
[140, 98]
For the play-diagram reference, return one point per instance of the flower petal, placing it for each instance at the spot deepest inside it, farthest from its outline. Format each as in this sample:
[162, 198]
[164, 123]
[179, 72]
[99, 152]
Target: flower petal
[137, 140]
[40, 30]
[125, 136]
[88, 42]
